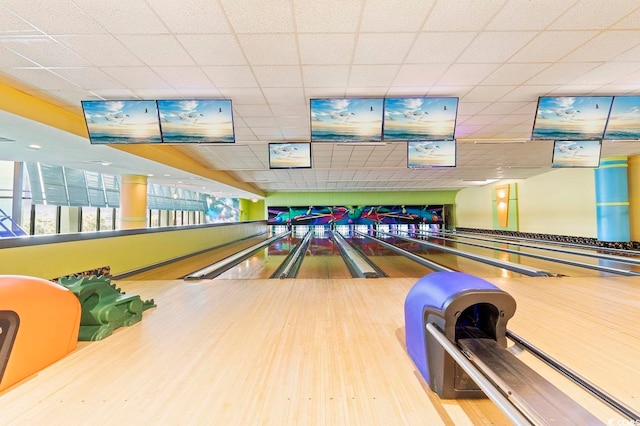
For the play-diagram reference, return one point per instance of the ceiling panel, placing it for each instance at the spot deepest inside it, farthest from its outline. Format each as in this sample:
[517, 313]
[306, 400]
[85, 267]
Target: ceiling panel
[271, 57]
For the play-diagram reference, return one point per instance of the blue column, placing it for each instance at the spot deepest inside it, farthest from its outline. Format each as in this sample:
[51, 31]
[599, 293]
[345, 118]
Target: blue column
[612, 199]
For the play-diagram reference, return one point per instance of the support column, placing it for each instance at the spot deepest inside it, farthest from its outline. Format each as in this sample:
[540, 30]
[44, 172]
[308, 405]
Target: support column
[612, 199]
[133, 202]
[633, 177]
[16, 206]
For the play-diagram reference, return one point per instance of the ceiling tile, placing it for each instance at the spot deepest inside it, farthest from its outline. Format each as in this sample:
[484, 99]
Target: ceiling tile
[44, 51]
[386, 16]
[137, 77]
[593, 14]
[382, 48]
[88, 78]
[11, 59]
[605, 46]
[193, 16]
[231, 76]
[213, 49]
[419, 75]
[41, 78]
[130, 17]
[12, 25]
[490, 47]
[100, 50]
[244, 95]
[265, 16]
[335, 16]
[372, 75]
[270, 49]
[64, 18]
[326, 49]
[513, 74]
[551, 46]
[184, 77]
[562, 73]
[325, 75]
[278, 76]
[253, 110]
[486, 93]
[425, 49]
[466, 74]
[631, 21]
[157, 50]
[530, 15]
[469, 15]
[284, 95]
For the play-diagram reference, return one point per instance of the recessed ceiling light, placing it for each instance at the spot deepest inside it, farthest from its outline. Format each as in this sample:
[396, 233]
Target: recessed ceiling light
[34, 146]
[166, 175]
[149, 174]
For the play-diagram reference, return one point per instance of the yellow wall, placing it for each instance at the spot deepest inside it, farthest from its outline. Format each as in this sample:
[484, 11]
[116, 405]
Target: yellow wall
[474, 207]
[122, 253]
[544, 205]
[561, 202]
[633, 173]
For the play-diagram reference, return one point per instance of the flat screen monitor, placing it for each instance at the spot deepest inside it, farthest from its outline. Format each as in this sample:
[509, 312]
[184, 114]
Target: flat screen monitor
[196, 121]
[420, 119]
[296, 155]
[122, 122]
[346, 120]
[571, 117]
[578, 153]
[427, 154]
[624, 119]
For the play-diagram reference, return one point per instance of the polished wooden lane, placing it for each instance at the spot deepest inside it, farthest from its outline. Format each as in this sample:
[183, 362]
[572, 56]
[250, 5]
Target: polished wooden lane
[291, 352]
[185, 266]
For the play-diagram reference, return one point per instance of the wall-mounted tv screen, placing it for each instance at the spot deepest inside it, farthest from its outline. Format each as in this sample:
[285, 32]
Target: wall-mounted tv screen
[571, 117]
[420, 118]
[122, 122]
[295, 155]
[346, 120]
[196, 121]
[576, 153]
[624, 119]
[427, 154]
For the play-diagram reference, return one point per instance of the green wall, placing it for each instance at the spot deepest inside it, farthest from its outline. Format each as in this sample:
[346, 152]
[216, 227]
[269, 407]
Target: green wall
[252, 210]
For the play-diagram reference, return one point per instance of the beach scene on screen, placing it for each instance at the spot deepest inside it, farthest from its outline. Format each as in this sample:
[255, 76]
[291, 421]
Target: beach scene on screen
[624, 119]
[196, 121]
[423, 154]
[289, 155]
[576, 154]
[352, 120]
[420, 118]
[118, 122]
[571, 117]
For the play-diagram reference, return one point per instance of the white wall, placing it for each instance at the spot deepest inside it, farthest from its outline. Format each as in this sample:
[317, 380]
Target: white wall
[560, 202]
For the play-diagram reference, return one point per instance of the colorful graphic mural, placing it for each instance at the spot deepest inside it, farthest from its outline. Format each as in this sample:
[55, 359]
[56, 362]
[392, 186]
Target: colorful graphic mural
[221, 210]
[355, 215]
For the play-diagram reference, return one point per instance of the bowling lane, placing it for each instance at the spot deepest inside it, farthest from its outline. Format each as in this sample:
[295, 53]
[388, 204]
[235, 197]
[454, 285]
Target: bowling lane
[550, 266]
[392, 263]
[180, 268]
[262, 264]
[449, 260]
[323, 259]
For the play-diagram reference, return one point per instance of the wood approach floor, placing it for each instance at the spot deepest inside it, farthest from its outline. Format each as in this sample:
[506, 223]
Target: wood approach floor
[315, 352]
